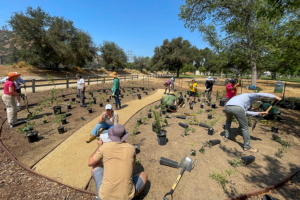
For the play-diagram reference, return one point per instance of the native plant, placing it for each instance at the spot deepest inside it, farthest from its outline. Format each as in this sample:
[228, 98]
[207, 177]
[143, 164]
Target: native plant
[34, 113]
[280, 152]
[236, 162]
[158, 122]
[199, 111]
[193, 130]
[103, 97]
[137, 161]
[220, 177]
[90, 105]
[193, 152]
[283, 143]
[44, 119]
[186, 130]
[150, 109]
[58, 118]
[202, 150]
[211, 123]
[192, 121]
[27, 129]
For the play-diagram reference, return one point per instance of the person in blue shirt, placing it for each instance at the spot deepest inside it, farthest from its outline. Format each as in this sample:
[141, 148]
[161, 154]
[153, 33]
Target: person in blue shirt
[18, 88]
[238, 106]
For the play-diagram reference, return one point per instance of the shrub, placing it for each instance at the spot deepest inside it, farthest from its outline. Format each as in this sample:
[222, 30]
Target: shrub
[102, 70]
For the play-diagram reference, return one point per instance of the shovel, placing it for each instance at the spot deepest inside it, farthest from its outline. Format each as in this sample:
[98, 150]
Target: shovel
[260, 117]
[186, 164]
[26, 101]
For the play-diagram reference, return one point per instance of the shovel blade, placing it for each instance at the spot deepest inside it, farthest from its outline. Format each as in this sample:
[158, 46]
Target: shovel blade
[186, 163]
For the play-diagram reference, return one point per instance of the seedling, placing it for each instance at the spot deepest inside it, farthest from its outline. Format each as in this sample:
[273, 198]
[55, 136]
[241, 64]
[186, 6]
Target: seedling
[220, 177]
[236, 162]
[71, 103]
[150, 109]
[283, 143]
[193, 152]
[58, 118]
[193, 130]
[207, 144]
[90, 105]
[138, 161]
[186, 130]
[192, 121]
[103, 97]
[136, 128]
[158, 122]
[199, 111]
[280, 151]
[212, 123]
[27, 129]
[34, 113]
[144, 120]
[44, 119]
[202, 150]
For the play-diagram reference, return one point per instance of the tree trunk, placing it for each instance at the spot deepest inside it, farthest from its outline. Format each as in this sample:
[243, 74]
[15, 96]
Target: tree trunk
[273, 75]
[252, 56]
[258, 74]
[178, 69]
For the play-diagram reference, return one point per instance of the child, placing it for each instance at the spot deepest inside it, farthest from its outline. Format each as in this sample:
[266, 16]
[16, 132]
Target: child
[193, 89]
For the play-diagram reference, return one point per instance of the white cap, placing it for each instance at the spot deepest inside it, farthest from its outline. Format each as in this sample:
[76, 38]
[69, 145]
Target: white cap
[108, 107]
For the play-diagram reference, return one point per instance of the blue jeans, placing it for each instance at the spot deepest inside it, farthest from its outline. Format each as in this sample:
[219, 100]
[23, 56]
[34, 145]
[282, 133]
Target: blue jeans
[99, 126]
[117, 100]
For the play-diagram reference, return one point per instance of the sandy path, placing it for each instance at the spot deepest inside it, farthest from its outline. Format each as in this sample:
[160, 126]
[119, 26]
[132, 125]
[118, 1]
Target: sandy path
[68, 162]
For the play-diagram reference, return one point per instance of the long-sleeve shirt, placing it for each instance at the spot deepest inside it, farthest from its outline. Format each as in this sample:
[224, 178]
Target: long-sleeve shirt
[246, 100]
[209, 85]
[116, 85]
[114, 120]
[17, 82]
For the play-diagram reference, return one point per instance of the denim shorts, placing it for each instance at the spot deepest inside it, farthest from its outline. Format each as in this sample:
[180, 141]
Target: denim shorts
[98, 177]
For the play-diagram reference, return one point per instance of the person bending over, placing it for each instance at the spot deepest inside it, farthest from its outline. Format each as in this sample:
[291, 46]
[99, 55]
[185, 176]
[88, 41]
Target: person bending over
[231, 90]
[168, 85]
[208, 87]
[181, 101]
[193, 90]
[107, 120]
[238, 106]
[171, 103]
[112, 167]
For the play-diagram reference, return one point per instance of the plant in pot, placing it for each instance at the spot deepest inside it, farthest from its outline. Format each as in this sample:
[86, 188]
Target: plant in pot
[69, 106]
[163, 106]
[29, 132]
[89, 107]
[159, 130]
[211, 124]
[193, 152]
[274, 128]
[60, 119]
[150, 109]
[44, 119]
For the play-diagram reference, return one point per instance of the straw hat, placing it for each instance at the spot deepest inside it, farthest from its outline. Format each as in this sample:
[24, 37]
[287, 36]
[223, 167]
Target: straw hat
[12, 74]
[172, 93]
[114, 74]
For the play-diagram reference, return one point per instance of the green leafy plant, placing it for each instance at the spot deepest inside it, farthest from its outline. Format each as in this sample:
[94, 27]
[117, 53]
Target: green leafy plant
[283, 143]
[199, 111]
[192, 121]
[44, 119]
[193, 152]
[58, 118]
[136, 128]
[220, 177]
[137, 161]
[144, 120]
[186, 130]
[90, 105]
[103, 97]
[280, 152]
[236, 162]
[34, 113]
[71, 103]
[207, 144]
[202, 150]
[158, 122]
[27, 129]
[211, 123]
[193, 130]
[150, 109]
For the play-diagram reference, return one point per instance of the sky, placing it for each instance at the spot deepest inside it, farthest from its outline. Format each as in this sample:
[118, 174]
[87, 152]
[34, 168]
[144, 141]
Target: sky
[137, 25]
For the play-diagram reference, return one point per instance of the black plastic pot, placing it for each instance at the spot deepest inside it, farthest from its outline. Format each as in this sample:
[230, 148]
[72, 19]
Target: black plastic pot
[61, 129]
[122, 96]
[146, 93]
[90, 110]
[199, 100]
[183, 125]
[181, 117]
[83, 105]
[163, 112]
[139, 97]
[92, 94]
[208, 110]
[168, 162]
[162, 137]
[77, 96]
[68, 114]
[73, 99]
[98, 90]
[191, 106]
[84, 97]
[100, 104]
[138, 90]
[63, 96]
[248, 159]
[64, 121]
[222, 102]
[104, 91]
[214, 142]
[210, 131]
[107, 100]
[275, 137]
[153, 127]
[185, 95]
[95, 101]
[149, 115]
[204, 125]
[57, 110]
[32, 137]
[18, 123]
[201, 106]
[274, 129]
[66, 99]
[213, 105]
[209, 116]
[139, 120]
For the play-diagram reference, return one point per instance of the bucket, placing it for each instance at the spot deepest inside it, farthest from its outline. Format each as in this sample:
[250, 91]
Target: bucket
[95, 101]
[222, 102]
[64, 121]
[139, 97]
[209, 116]
[214, 142]
[69, 107]
[183, 125]
[162, 138]
[248, 159]
[168, 162]
[73, 99]
[107, 100]
[210, 131]
[100, 104]
[33, 137]
[213, 105]
[61, 130]
[57, 110]
[201, 106]
[274, 129]
[90, 110]
[149, 115]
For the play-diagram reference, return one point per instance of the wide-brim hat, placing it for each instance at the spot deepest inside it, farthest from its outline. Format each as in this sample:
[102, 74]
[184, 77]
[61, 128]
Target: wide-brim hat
[13, 74]
[172, 93]
[114, 74]
[118, 133]
[209, 78]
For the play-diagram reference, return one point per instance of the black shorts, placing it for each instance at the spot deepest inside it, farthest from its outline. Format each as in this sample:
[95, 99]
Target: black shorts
[172, 107]
[18, 91]
[193, 94]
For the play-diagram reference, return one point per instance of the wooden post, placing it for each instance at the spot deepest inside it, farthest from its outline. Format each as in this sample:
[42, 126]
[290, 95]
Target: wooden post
[88, 80]
[67, 82]
[104, 79]
[97, 79]
[33, 85]
[124, 77]
[131, 77]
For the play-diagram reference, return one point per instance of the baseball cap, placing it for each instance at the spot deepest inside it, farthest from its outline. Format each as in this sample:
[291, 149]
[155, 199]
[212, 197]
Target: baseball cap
[108, 107]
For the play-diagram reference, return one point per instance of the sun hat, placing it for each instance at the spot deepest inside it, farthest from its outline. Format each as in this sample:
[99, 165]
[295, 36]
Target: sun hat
[172, 93]
[108, 107]
[118, 133]
[114, 74]
[209, 78]
[12, 74]
[193, 79]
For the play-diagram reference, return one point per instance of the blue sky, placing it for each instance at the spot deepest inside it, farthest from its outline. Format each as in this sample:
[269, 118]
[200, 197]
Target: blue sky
[137, 25]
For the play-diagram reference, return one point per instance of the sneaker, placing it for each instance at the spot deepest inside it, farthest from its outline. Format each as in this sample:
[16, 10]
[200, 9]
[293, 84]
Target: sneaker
[225, 139]
[251, 150]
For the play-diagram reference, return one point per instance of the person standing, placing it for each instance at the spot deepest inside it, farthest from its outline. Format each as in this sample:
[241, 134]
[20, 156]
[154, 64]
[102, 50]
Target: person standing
[9, 97]
[208, 87]
[107, 120]
[116, 90]
[168, 85]
[193, 90]
[238, 106]
[112, 167]
[18, 88]
[173, 82]
[80, 87]
[231, 88]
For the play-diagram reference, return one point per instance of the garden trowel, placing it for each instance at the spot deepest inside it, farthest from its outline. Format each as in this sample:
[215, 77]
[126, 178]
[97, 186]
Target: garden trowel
[187, 165]
[258, 118]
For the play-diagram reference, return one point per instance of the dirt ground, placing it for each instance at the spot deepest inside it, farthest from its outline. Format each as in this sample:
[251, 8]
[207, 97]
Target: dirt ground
[30, 153]
[265, 171]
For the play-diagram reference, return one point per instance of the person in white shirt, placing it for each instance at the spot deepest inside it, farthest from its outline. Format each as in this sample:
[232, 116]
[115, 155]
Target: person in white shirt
[80, 87]
[173, 82]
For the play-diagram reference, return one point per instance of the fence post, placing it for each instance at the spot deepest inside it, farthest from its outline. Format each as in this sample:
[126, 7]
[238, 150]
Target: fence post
[125, 78]
[97, 79]
[104, 79]
[131, 77]
[88, 80]
[33, 85]
[67, 82]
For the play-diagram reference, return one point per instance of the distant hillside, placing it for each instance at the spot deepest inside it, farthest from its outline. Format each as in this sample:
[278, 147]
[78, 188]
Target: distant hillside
[6, 50]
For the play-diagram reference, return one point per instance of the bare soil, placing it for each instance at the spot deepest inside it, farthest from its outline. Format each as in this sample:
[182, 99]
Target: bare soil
[30, 153]
[197, 184]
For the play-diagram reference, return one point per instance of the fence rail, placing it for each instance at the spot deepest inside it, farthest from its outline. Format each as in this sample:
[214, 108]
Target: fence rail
[88, 80]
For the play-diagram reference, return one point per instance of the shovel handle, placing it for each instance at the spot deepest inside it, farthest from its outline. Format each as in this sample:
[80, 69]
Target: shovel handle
[178, 179]
[275, 102]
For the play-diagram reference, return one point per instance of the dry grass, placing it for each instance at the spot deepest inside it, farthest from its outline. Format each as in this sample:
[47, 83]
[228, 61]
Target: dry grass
[132, 71]
[22, 64]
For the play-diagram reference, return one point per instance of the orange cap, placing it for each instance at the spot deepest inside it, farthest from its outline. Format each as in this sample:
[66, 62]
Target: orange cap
[12, 74]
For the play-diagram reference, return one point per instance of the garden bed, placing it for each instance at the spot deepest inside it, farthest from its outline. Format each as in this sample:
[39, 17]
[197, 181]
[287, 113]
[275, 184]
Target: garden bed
[267, 169]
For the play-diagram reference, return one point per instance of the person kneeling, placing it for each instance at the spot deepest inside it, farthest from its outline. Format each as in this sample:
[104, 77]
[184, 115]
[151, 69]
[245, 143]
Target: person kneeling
[112, 167]
[106, 121]
[171, 103]
[181, 101]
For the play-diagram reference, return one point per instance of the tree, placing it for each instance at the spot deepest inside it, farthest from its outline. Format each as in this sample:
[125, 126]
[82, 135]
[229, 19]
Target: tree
[234, 14]
[113, 55]
[139, 62]
[172, 55]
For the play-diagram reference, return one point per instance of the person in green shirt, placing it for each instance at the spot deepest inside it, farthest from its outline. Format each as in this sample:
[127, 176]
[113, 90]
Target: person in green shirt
[116, 90]
[171, 103]
[181, 101]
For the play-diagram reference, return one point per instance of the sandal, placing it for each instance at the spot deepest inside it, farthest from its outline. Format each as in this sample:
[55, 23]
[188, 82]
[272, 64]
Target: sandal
[251, 150]
[225, 139]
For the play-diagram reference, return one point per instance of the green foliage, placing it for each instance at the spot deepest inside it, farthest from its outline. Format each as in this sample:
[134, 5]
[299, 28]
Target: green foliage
[34, 113]
[144, 120]
[91, 103]
[220, 177]
[136, 128]
[280, 152]
[283, 143]
[158, 121]
[193, 130]
[199, 111]
[236, 162]
[59, 118]
[212, 122]
[202, 150]
[186, 130]
[138, 161]
[27, 128]
[192, 121]
[113, 56]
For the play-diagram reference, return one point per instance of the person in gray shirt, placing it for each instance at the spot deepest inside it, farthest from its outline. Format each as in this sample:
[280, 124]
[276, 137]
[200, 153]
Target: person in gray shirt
[239, 106]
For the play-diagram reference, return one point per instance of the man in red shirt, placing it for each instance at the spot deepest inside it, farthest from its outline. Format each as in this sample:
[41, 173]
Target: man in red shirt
[231, 89]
